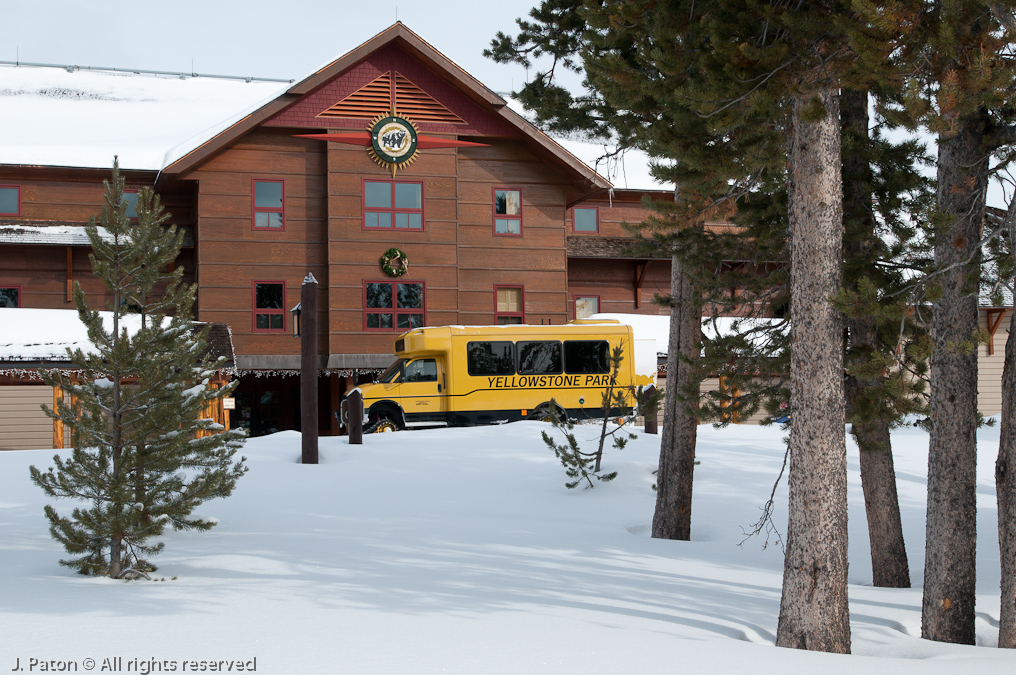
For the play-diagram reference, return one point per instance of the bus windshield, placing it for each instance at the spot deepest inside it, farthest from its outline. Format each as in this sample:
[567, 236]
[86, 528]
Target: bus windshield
[392, 372]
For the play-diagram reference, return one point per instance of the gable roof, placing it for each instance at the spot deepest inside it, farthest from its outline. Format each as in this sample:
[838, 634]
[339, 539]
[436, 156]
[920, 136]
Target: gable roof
[191, 153]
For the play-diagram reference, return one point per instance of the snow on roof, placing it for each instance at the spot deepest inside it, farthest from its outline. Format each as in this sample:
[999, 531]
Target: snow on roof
[61, 235]
[64, 235]
[46, 334]
[985, 299]
[83, 118]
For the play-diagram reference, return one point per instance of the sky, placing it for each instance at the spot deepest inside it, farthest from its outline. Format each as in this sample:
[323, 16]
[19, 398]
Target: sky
[256, 38]
[260, 39]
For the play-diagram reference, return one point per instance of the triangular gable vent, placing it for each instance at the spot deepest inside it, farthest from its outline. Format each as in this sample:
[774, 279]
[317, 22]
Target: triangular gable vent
[377, 97]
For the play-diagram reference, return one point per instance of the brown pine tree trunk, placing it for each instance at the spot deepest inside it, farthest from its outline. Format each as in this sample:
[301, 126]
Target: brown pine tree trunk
[115, 568]
[1005, 486]
[672, 518]
[889, 566]
[814, 611]
[949, 575]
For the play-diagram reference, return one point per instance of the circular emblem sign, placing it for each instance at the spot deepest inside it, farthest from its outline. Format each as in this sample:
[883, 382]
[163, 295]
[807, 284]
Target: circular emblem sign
[393, 140]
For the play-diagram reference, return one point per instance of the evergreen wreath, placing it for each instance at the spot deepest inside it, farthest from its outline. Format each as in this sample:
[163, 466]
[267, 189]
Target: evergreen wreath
[394, 254]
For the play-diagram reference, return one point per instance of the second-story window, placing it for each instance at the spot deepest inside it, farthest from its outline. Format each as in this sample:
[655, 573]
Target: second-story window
[130, 197]
[10, 200]
[269, 204]
[393, 305]
[510, 305]
[389, 204]
[269, 306]
[586, 306]
[585, 219]
[507, 212]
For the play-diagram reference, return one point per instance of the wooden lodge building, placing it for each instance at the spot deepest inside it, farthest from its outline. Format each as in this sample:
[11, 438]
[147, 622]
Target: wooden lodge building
[494, 221]
[389, 153]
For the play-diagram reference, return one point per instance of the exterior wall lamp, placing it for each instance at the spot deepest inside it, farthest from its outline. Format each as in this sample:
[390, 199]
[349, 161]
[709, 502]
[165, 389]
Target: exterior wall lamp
[296, 319]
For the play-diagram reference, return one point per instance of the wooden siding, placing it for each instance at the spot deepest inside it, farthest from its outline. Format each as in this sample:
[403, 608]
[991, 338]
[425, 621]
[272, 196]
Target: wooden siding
[614, 282]
[231, 254]
[989, 367]
[23, 424]
[50, 195]
[61, 197]
[613, 213]
[41, 271]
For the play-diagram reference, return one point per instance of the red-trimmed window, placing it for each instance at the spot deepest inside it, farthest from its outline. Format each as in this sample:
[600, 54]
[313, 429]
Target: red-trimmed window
[389, 204]
[131, 198]
[507, 212]
[10, 200]
[10, 297]
[394, 305]
[586, 219]
[269, 306]
[586, 306]
[269, 204]
[511, 303]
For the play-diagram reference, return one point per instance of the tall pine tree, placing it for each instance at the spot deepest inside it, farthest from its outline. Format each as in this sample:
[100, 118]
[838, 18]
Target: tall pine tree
[962, 92]
[632, 98]
[1005, 465]
[139, 463]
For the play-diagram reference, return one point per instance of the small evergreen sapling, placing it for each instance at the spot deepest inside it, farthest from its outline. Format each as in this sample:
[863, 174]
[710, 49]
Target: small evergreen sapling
[139, 462]
[585, 466]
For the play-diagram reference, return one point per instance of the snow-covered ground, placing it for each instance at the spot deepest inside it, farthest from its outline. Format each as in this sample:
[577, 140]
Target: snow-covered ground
[461, 551]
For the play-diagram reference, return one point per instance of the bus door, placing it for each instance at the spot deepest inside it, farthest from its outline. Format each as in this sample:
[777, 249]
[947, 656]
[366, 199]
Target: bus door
[423, 392]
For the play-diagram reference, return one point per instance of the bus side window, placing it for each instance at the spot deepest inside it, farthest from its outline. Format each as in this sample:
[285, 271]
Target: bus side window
[539, 358]
[490, 358]
[582, 357]
[422, 370]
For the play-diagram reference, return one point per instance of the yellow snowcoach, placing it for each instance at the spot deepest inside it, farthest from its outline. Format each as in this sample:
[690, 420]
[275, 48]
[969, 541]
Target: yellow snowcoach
[466, 375]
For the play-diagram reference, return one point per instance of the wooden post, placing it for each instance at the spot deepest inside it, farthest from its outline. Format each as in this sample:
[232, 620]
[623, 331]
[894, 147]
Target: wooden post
[651, 421]
[354, 417]
[70, 274]
[58, 428]
[308, 369]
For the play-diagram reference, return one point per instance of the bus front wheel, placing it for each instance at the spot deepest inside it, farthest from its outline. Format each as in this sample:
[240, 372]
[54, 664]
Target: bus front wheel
[381, 420]
[383, 425]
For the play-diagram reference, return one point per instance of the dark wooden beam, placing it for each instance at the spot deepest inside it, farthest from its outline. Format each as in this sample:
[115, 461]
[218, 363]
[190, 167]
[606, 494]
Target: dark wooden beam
[70, 274]
[994, 320]
[640, 277]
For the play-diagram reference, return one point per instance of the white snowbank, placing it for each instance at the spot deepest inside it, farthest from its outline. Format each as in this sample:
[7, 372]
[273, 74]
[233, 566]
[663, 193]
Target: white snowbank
[461, 551]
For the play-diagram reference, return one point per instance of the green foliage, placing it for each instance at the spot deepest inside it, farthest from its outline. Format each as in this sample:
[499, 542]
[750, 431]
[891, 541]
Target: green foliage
[144, 457]
[578, 466]
[585, 466]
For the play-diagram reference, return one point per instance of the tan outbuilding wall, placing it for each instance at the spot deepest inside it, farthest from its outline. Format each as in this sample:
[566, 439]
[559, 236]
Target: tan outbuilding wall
[989, 365]
[23, 424]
